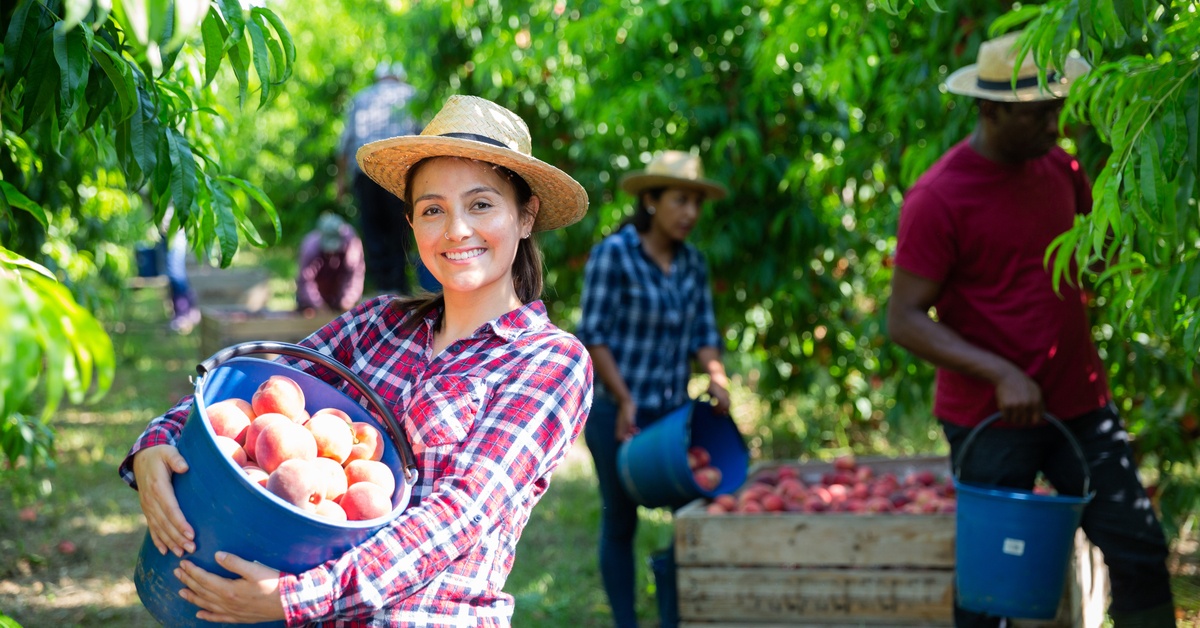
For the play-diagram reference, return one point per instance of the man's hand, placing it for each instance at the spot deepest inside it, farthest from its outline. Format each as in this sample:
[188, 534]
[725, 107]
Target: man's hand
[1019, 398]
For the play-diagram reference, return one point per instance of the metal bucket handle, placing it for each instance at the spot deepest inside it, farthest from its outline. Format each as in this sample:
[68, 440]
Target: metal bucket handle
[1052, 420]
[390, 422]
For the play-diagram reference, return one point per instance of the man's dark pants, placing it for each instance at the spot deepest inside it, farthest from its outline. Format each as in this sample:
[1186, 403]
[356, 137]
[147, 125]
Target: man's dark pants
[386, 235]
[1119, 519]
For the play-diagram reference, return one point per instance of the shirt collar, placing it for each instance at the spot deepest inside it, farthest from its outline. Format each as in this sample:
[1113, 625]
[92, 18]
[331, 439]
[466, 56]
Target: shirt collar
[530, 317]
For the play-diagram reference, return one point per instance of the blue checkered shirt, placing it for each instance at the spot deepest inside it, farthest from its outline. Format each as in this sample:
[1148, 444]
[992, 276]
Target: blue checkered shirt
[378, 112]
[652, 322]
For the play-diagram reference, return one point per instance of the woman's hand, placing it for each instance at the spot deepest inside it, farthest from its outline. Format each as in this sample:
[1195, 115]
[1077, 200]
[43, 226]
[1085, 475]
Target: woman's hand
[626, 420]
[251, 599]
[152, 469]
[718, 389]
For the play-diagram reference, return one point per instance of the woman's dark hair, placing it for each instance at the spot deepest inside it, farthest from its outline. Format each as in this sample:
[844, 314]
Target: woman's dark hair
[527, 265]
[641, 216]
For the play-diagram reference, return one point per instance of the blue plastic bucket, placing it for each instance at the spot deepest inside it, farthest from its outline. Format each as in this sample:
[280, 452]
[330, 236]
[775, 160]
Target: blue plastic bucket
[230, 513]
[1013, 547]
[653, 465]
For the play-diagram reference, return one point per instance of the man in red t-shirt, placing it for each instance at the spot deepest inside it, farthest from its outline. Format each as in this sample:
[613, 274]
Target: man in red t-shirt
[972, 239]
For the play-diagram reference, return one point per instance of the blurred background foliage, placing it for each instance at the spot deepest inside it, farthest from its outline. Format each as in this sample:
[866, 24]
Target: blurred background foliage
[817, 115]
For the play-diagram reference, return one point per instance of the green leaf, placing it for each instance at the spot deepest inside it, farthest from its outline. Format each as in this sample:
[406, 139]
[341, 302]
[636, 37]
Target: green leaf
[119, 74]
[13, 197]
[144, 132]
[239, 61]
[1149, 172]
[188, 16]
[159, 18]
[134, 19]
[214, 33]
[71, 53]
[183, 172]
[41, 83]
[76, 10]
[20, 41]
[284, 37]
[235, 17]
[259, 196]
[262, 62]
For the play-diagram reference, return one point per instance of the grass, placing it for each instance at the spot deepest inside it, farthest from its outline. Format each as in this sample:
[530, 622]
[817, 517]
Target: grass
[555, 579]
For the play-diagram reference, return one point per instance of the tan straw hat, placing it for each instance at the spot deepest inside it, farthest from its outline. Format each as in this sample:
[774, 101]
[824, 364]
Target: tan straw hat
[672, 168]
[474, 128]
[990, 78]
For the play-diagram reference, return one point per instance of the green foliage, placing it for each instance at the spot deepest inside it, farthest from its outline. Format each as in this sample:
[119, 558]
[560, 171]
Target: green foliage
[107, 126]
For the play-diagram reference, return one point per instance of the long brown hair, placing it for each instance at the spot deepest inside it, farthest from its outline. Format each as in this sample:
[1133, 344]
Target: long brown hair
[641, 215]
[527, 265]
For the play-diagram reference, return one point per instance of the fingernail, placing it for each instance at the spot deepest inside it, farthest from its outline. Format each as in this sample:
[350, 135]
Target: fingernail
[191, 547]
[221, 556]
[190, 535]
[178, 573]
[178, 552]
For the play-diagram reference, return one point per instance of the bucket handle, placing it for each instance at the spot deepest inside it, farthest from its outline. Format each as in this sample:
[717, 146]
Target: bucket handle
[395, 430]
[1052, 420]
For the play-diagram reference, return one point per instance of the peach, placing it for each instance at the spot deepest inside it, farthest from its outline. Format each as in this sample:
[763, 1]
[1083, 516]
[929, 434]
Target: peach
[335, 477]
[227, 419]
[707, 478]
[368, 442]
[334, 437]
[280, 394]
[330, 510]
[257, 426]
[256, 474]
[299, 483]
[371, 471]
[282, 441]
[231, 449]
[365, 501]
[244, 406]
[698, 457]
[335, 412]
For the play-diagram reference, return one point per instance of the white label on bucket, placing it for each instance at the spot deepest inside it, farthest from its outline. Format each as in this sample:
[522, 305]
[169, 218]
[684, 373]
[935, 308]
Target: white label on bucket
[1014, 547]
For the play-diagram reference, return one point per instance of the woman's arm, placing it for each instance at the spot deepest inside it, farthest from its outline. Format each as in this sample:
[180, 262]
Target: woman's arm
[718, 383]
[610, 376]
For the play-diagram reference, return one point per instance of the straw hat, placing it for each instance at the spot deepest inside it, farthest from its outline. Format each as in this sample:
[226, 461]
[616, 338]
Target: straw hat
[474, 128]
[990, 78]
[672, 168]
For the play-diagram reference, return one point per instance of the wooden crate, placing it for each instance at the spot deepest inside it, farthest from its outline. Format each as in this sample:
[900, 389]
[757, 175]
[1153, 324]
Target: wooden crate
[239, 288]
[835, 569]
[221, 327]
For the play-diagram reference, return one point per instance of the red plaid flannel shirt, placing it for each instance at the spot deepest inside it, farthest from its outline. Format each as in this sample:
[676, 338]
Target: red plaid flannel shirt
[490, 418]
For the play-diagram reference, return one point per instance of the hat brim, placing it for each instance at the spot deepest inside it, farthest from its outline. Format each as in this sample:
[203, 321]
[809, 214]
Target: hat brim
[965, 82]
[387, 162]
[635, 182]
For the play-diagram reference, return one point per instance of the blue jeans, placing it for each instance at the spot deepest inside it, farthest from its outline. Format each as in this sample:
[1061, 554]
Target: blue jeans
[1119, 519]
[619, 519]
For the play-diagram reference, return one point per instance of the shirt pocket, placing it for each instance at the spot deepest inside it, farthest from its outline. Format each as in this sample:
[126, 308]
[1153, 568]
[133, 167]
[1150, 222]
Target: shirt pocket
[444, 409]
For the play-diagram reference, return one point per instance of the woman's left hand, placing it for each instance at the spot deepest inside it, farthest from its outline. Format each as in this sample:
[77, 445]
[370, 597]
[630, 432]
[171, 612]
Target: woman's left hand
[720, 393]
[251, 599]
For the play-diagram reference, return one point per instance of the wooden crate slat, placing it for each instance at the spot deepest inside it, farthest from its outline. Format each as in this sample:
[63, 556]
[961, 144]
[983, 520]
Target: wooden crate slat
[822, 595]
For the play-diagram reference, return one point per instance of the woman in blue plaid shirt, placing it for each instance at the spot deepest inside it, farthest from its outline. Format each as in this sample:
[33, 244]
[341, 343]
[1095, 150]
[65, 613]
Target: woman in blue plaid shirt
[647, 313]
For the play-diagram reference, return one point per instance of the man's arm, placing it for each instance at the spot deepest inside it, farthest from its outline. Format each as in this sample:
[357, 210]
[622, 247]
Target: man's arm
[909, 325]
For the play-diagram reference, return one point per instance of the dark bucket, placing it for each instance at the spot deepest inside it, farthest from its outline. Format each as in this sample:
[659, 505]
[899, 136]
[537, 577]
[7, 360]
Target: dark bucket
[230, 513]
[1013, 547]
[653, 465]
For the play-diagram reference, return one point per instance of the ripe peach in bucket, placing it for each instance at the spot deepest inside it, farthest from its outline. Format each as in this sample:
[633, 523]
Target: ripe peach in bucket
[257, 426]
[333, 436]
[255, 474]
[282, 441]
[371, 471]
[330, 510]
[231, 449]
[228, 419]
[335, 478]
[366, 501]
[335, 412]
[368, 442]
[280, 394]
[298, 482]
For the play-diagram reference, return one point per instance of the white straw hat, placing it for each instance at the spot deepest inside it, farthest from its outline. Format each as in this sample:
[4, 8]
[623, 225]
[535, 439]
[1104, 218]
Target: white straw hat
[475, 128]
[673, 168]
[990, 78]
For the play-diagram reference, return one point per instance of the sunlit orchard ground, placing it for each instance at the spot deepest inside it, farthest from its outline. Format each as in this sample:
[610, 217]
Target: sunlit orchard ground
[555, 579]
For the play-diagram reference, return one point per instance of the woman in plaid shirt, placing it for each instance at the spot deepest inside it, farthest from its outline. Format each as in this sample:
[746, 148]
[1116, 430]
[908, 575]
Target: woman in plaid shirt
[647, 313]
[491, 394]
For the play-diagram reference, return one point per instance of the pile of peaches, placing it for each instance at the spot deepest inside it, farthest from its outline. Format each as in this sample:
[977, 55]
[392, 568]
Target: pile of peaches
[848, 488]
[326, 464]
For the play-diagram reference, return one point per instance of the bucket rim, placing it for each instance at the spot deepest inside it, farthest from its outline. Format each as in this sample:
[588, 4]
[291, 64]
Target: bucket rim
[1019, 494]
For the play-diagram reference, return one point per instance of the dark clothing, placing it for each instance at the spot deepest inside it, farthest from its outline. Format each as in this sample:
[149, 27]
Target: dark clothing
[386, 236]
[1119, 519]
[619, 519]
[330, 280]
[981, 229]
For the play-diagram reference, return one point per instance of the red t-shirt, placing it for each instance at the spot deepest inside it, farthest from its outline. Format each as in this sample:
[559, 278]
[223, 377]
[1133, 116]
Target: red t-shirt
[981, 229]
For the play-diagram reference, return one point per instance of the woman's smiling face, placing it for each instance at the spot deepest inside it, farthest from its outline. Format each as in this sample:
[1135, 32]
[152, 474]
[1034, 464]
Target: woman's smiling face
[467, 222]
